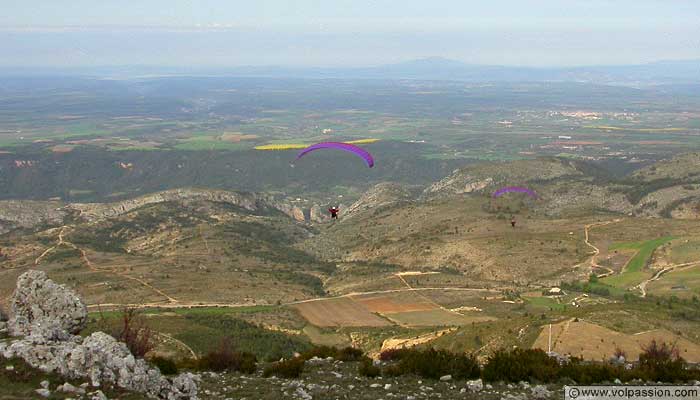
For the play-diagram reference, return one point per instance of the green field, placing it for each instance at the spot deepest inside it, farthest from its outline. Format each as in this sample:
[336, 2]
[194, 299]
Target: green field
[210, 143]
[633, 273]
[545, 302]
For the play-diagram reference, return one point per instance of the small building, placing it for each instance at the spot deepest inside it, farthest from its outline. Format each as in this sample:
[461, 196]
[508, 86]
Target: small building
[555, 291]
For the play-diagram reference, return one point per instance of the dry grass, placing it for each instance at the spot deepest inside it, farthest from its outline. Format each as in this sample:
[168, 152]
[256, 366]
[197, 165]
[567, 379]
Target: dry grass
[594, 342]
[436, 317]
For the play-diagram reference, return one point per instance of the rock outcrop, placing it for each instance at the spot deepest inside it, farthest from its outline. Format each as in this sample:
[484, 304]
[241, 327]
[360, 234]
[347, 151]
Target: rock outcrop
[47, 313]
[27, 214]
[245, 200]
[381, 195]
[39, 303]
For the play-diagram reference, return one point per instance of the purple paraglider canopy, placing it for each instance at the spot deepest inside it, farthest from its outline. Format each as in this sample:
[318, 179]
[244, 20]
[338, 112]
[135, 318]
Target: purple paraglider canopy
[518, 189]
[340, 146]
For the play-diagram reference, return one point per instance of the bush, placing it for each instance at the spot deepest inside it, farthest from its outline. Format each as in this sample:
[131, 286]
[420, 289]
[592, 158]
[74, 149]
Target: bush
[433, 364]
[344, 354]
[520, 365]
[368, 369]
[319, 352]
[291, 368]
[226, 358]
[589, 373]
[393, 354]
[134, 332]
[165, 365]
[661, 362]
[350, 354]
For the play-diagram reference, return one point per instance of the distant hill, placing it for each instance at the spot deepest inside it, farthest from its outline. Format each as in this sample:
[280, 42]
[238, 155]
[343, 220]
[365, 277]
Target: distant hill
[432, 68]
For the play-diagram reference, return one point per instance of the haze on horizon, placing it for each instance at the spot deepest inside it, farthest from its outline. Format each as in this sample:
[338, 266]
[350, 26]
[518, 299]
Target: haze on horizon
[216, 33]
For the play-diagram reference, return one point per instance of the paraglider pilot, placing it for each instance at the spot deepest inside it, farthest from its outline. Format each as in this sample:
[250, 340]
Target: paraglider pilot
[334, 212]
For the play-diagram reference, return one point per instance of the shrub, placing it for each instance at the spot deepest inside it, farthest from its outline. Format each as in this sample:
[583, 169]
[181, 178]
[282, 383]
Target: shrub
[368, 369]
[433, 364]
[520, 365]
[350, 354]
[165, 365]
[393, 354]
[344, 354]
[134, 332]
[589, 373]
[226, 358]
[291, 368]
[661, 362]
[320, 352]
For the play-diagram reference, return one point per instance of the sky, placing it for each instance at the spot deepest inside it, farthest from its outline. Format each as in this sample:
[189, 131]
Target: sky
[331, 33]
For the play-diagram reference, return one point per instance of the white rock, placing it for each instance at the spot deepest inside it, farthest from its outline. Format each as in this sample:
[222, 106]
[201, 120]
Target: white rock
[68, 388]
[446, 378]
[39, 303]
[99, 358]
[98, 395]
[43, 392]
[303, 394]
[387, 386]
[375, 385]
[539, 392]
[44, 384]
[10, 368]
[475, 385]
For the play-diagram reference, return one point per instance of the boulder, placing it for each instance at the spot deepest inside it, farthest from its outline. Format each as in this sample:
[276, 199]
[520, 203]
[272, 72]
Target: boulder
[539, 392]
[475, 385]
[39, 303]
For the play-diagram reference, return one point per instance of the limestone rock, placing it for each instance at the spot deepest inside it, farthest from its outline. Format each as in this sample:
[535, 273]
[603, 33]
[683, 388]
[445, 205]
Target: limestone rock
[539, 392]
[476, 385]
[47, 312]
[39, 303]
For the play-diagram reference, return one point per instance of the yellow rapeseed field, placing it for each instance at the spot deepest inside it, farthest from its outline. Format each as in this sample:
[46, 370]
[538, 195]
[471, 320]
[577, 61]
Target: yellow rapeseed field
[292, 146]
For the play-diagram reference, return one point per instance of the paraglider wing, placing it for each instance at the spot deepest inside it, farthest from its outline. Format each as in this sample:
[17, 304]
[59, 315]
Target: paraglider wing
[340, 146]
[517, 189]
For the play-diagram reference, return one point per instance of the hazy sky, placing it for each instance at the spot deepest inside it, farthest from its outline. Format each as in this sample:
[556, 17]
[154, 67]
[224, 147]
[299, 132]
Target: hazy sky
[346, 32]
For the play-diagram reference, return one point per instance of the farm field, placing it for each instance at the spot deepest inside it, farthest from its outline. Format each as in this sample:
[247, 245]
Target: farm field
[436, 317]
[339, 312]
[634, 271]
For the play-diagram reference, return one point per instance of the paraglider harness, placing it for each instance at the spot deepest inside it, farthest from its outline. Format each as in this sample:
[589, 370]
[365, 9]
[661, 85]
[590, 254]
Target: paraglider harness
[334, 212]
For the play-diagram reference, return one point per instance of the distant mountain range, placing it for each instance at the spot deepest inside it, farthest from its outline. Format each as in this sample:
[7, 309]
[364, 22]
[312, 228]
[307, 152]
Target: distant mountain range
[433, 68]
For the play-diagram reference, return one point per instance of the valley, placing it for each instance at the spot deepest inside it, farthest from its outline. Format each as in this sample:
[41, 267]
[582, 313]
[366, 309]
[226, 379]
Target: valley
[440, 268]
